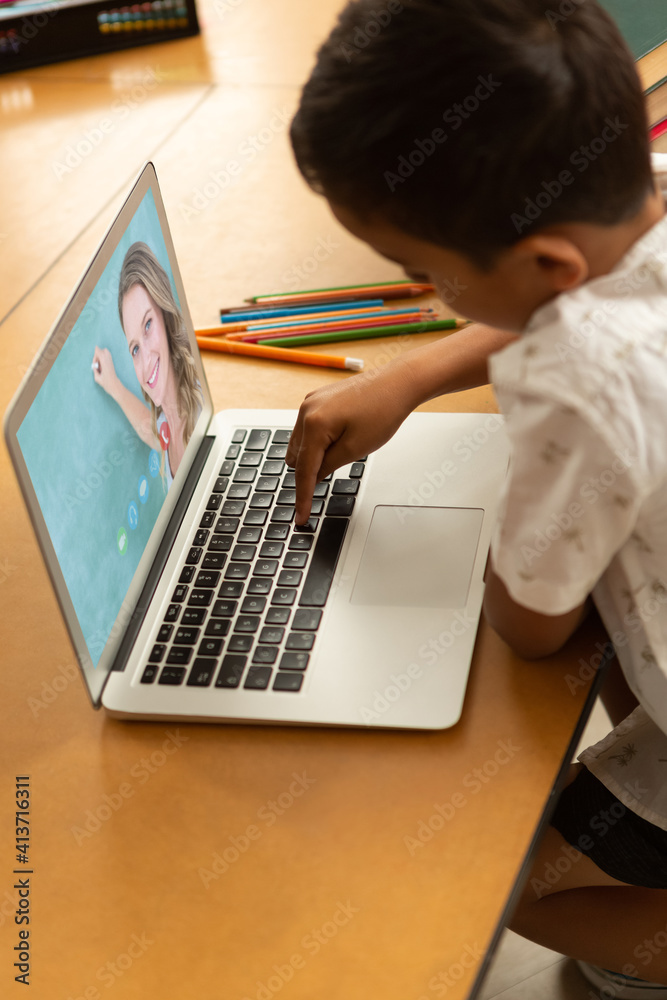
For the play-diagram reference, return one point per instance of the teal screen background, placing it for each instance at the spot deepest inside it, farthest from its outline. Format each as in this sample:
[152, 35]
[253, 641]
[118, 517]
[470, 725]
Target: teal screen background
[98, 485]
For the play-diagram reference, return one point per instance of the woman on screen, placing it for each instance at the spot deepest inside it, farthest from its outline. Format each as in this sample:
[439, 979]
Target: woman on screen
[163, 362]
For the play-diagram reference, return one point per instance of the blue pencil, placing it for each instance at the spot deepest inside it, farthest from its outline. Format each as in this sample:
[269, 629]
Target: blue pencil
[243, 313]
[286, 321]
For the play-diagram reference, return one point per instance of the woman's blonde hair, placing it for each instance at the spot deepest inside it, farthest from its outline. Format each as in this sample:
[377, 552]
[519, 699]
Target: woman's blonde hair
[141, 267]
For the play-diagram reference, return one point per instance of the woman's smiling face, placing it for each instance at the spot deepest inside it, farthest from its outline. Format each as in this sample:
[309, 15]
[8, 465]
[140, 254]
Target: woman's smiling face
[146, 335]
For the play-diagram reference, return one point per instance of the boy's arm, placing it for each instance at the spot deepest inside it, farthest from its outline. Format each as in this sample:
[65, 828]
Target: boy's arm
[340, 423]
[529, 634]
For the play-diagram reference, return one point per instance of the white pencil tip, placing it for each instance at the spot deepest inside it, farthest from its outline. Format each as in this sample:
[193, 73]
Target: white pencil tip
[354, 364]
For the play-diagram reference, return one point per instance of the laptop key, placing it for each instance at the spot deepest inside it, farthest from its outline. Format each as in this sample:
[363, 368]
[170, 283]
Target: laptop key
[345, 487]
[307, 619]
[214, 560]
[255, 517]
[253, 605]
[287, 681]
[273, 468]
[222, 542]
[294, 661]
[237, 571]
[276, 451]
[258, 678]
[150, 673]
[207, 578]
[283, 596]
[230, 588]
[164, 633]
[261, 501]
[240, 643]
[227, 525]
[245, 474]
[339, 506]
[209, 647]
[244, 553]
[208, 517]
[157, 652]
[300, 640]
[224, 609]
[282, 514]
[289, 578]
[260, 585]
[240, 491]
[266, 567]
[246, 623]
[179, 594]
[281, 436]
[172, 675]
[226, 468]
[278, 616]
[357, 470]
[193, 616]
[232, 508]
[214, 501]
[194, 555]
[238, 437]
[179, 655]
[221, 484]
[218, 627]
[202, 672]
[277, 532]
[172, 612]
[231, 671]
[295, 560]
[271, 550]
[252, 459]
[200, 598]
[271, 634]
[186, 635]
[302, 543]
[323, 562]
[258, 440]
[267, 484]
[233, 451]
[265, 654]
[249, 536]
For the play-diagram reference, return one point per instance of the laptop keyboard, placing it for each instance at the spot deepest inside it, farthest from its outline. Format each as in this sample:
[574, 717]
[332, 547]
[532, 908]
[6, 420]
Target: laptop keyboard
[249, 601]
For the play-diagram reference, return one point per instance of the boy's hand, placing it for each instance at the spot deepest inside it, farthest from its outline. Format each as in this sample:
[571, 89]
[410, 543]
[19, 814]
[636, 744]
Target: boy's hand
[340, 423]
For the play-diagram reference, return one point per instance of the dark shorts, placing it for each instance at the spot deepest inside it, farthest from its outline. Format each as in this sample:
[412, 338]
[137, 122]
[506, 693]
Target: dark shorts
[616, 839]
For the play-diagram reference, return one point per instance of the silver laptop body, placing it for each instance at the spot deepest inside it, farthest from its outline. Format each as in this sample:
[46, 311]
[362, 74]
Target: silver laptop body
[195, 597]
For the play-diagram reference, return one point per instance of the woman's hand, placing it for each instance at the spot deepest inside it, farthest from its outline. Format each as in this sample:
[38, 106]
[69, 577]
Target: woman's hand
[104, 372]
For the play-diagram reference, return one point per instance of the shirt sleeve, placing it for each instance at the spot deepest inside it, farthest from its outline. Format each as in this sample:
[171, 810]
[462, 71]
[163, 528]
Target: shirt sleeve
[570, 503]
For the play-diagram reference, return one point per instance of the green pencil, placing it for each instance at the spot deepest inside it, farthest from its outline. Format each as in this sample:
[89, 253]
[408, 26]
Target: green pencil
[364, 333]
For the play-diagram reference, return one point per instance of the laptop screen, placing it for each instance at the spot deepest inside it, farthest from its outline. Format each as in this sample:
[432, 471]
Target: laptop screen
[108, 429]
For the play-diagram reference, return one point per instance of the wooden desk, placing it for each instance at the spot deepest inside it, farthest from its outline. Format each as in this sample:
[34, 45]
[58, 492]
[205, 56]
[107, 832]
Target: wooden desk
[235, 862]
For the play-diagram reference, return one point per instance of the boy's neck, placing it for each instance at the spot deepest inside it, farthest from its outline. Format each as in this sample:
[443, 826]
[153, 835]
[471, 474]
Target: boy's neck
[604, 247]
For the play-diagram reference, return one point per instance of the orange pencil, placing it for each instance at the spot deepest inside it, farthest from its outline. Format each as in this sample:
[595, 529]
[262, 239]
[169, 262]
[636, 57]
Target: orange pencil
[280, 354]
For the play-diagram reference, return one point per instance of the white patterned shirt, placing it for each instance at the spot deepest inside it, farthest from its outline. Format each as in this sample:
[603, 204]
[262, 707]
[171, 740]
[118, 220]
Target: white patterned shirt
[584, 395]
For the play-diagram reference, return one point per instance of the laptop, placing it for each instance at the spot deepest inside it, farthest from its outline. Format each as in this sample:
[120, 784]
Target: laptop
[168, 530]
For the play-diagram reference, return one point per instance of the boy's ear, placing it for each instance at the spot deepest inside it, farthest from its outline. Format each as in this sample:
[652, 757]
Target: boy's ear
[553, 260]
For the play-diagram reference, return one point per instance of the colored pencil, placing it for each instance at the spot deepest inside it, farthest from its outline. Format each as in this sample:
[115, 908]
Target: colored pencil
[278, 354]
[312, 319]
[389, 289]
[364, 334]
[252, 312]
[253, 336]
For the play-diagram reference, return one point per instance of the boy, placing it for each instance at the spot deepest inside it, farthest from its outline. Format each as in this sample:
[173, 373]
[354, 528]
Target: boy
[498, 148]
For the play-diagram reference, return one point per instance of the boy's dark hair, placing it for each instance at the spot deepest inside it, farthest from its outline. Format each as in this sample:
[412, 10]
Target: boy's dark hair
[471, 123]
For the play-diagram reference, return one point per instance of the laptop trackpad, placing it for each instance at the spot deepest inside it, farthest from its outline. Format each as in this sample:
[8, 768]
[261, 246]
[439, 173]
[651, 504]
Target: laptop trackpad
[418, 557]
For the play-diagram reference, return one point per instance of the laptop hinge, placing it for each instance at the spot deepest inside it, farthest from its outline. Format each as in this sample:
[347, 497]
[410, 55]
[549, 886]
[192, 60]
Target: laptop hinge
[175, 521]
